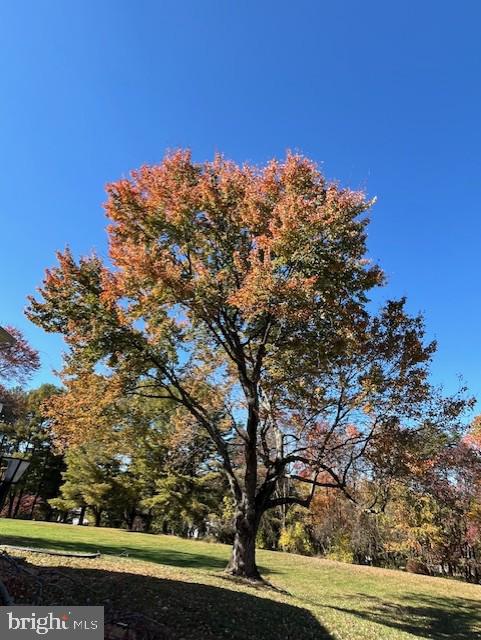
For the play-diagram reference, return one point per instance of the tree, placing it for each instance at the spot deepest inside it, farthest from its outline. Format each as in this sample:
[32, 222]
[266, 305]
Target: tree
[18, 360]
[240, 294]
[90, 481]
[162, 470]
[29, 434]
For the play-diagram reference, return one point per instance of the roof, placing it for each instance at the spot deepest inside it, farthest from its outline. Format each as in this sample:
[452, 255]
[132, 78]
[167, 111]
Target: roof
[5, 337]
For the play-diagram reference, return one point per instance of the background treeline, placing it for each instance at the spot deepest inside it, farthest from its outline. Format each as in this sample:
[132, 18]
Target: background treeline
[145, 471]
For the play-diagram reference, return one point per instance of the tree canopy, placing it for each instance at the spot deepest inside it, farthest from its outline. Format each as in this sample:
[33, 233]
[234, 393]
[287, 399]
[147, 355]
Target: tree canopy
[240, 294]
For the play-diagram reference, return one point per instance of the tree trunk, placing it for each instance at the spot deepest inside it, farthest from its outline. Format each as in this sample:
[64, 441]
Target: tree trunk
[98, 516]
[129, 516]
[34, 504]
[18, 503]
[81, 515]
[11, 503]
[148, 521]
[243, 559]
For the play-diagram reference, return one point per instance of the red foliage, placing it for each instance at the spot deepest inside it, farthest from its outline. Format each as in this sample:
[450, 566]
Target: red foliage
[18, 360]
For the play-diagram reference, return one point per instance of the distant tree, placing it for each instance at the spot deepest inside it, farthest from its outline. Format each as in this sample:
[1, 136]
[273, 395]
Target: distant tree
[240, 294]
[18, 361]
[25, 431]
[29, 434]
[163, 471]
[89, 482]
[435, 516]
[183, 503]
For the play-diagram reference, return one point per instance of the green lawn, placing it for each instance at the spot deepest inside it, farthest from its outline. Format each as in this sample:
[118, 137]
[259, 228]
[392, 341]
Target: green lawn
[180, 584]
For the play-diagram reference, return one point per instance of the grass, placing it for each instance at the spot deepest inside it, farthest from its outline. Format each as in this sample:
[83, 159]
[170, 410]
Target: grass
[179, 583]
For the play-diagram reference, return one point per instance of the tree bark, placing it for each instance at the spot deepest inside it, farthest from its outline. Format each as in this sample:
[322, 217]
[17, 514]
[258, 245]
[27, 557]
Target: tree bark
[129, 516]
[34, 504]
[11, 502]
[81, 515]
[98, 516]
[18, 503]
[243, 558]
[148, 517]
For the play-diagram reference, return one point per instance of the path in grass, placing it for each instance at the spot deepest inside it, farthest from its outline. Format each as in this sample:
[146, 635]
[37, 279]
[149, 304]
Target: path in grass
[182, 586]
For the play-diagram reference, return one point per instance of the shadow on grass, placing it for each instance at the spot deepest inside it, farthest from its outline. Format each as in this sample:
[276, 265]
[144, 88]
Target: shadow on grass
[150, 554]
[161, 609]
[422, 615]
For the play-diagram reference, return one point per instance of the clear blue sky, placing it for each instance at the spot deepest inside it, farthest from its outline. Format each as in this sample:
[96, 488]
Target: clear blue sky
[386, 95]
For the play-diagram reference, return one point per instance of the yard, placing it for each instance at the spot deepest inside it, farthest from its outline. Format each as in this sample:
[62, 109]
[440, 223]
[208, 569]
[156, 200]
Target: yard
[179, 588]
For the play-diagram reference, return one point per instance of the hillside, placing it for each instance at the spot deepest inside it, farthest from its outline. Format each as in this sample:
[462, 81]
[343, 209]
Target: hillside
[179, 588]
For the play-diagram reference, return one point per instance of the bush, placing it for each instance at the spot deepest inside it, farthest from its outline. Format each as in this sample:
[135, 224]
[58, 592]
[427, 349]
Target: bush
[295, 539]
[341, 550]
[417, 566]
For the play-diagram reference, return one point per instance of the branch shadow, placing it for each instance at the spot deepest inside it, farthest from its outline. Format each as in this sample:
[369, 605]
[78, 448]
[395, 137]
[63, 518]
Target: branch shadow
[148, 607]
[424, 616]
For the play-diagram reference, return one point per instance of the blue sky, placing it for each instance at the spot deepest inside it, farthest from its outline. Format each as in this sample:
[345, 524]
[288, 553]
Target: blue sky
[386, 96]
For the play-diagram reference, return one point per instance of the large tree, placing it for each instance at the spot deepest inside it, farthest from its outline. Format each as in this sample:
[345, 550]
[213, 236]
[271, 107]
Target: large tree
[241, 294]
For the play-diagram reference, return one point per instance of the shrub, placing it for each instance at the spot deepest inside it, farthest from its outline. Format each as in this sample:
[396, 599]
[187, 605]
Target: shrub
[295, 539]
[417, 566]
[341, 550]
